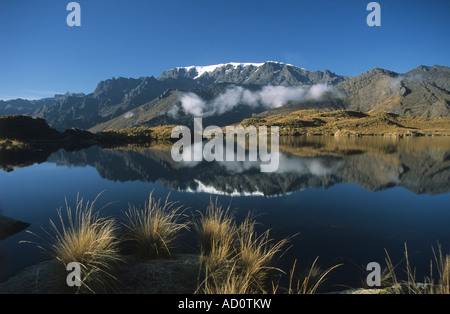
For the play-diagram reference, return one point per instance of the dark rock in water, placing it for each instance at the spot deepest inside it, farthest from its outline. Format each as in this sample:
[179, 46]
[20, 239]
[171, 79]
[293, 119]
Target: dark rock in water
[9, 226]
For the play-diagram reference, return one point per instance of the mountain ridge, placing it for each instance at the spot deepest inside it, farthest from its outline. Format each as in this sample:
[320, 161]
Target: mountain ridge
[118, 96]
[269, 72]
[423, 91]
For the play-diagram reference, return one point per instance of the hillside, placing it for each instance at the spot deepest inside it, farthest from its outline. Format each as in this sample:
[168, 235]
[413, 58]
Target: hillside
[268, 73]
[351, 123]
[25, 106]
[230, 92]
[424, 91]
[167, 110]
[117, 96]
[110, 99]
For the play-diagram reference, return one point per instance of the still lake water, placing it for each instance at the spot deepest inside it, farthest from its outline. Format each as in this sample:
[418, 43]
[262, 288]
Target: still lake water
[348, 198]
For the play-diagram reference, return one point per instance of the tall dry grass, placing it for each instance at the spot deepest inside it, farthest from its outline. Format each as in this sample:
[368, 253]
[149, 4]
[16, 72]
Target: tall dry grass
[233, 259]
[257, 253]
[215, 231]
[310, 280]
[437, 282]
[83, 237]
[153, 230]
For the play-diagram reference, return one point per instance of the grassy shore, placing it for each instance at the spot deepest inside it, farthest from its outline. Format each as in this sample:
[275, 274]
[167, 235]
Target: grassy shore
[312, 122]
[25, 134]
[234, 257]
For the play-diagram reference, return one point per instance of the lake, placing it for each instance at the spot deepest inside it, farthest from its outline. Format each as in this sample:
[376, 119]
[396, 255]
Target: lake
[348, 199]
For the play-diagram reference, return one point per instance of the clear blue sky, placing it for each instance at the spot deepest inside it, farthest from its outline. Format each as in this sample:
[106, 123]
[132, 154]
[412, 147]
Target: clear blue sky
[40, 55]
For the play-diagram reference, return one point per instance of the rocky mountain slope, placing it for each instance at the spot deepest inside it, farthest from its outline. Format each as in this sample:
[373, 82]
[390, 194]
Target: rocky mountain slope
[424, 91]
[117, 96]
[228, 93]
[268, 73]
[167, 110]
[25, 106]
[110, 99]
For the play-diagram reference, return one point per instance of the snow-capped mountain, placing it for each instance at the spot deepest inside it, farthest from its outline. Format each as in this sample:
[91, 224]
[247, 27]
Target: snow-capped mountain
[270, 72]
[210, 89]
[200, 70]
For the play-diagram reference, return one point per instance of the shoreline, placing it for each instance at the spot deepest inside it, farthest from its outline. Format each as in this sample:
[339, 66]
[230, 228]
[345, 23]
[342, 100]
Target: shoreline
[175, 275]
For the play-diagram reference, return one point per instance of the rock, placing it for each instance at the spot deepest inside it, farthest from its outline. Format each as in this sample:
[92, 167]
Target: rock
[400, 288]
[177, 275]
[37, 279]
[9, 226]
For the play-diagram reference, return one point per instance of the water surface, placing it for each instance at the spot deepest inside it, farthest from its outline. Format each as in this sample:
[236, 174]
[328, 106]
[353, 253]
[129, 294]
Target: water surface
[347, 198]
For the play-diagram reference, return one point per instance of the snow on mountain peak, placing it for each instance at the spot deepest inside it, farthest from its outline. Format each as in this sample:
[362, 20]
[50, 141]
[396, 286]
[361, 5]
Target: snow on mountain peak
[201, 70]
[211, 68]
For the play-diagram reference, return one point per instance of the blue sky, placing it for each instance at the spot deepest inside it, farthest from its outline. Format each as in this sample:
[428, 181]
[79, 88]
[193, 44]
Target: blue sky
[40, 55]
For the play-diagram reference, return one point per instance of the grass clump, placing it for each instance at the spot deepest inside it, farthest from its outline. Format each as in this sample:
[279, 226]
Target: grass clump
[216, 230]
[153, 230]
[310, 280]
[438, 282]
[234, 259]
[85, 238]
[256, 253]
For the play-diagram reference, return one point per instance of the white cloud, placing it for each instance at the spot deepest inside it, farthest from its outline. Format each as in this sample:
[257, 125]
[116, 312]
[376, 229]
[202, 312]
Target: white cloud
[128, 115]
[193, 104]
[269, 96]
[395, 82]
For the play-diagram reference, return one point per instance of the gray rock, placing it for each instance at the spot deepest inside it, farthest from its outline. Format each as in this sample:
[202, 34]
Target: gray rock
[161, 276]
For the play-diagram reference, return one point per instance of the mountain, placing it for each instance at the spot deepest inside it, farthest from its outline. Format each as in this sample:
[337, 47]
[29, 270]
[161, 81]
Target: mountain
[230, 92]
[160, 111]
[110, 99]
[118, 97]
[424, 91]
[27, 107]
[268, 73]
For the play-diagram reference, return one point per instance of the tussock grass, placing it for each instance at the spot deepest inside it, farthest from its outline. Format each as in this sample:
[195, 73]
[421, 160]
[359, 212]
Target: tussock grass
[233, 281]
[87, 239]
[436, 283]
[234, 259]
[216, 230]
[256, 253]
[153, 230]
[310, 280]
[442, 286]
[216, 233]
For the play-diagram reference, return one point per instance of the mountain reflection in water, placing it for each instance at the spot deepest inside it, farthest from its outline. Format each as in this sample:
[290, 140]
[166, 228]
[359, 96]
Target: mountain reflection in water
[323, 186]
[421, 165]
